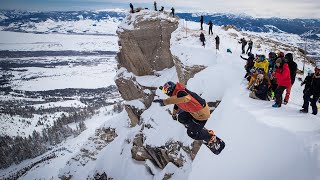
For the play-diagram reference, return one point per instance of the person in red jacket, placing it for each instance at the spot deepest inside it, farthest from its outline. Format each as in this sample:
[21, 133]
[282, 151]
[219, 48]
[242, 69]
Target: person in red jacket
[282, 74]
[192, 110]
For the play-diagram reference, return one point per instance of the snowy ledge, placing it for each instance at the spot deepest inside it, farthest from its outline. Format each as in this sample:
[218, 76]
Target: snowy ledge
[132, 20]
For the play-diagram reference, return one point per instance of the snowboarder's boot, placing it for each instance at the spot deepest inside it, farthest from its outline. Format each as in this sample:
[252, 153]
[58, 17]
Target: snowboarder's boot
[213, 138]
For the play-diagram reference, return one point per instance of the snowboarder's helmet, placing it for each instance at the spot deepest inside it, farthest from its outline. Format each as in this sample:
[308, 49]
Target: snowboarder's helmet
[168, 88]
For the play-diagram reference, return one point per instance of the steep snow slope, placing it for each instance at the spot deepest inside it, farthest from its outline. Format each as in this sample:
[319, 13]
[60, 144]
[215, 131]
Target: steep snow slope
[261, 142]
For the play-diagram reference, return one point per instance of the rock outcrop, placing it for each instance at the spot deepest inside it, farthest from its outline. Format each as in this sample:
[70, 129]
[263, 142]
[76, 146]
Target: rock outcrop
[186, 72]
[144, 40]
[146, 47]
[162, 155]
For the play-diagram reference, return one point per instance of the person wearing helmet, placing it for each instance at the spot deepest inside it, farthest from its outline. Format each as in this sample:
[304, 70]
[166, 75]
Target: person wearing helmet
[254, 74]
[282, 73]
[272, 58]
[260, 88]
[192, 110]
[262, 62]
[314, 91]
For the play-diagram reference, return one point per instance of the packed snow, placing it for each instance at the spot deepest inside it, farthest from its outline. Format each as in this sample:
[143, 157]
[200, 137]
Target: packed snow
[16, 41]
[82, 26]
[74, 75]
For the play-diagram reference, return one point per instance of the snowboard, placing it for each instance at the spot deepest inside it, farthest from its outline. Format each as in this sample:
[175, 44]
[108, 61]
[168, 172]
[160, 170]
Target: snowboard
[216, 147]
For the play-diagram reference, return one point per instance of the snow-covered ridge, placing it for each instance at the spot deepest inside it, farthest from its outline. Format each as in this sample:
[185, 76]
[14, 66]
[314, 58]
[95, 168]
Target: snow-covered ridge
[133, 19]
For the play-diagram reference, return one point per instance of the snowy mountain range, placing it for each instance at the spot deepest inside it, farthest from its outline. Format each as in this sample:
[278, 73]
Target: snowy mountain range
[62, 115]
[92, 22]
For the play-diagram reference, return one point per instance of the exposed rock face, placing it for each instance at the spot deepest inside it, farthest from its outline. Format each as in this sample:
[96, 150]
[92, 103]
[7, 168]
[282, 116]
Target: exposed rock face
[131, 90]
[146, 48]
[161, 156]
[144, 40]
[186, 72]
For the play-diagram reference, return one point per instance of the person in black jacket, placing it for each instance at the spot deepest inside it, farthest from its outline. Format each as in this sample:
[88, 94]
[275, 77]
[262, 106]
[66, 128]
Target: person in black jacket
[293, 71]
[172, 11]
[249, 64]
[155, 6]
[201, 22]
[202, 39]
[307, 81]
[243, 43]
[131, 7]
[217, 42]
[313, 90]
[210, 27]
[260, 88]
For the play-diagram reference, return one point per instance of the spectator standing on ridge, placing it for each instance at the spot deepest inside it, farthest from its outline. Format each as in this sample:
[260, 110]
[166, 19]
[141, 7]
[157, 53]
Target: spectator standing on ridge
[172, 11]
[250, 44]
[293, 72]
[131, 6]
[282, 73]
[307, 81]
[210, 27]
[217, 42]
[155, 6]
[201, 22]
[243, 43]
[313, 90]
[202, 39]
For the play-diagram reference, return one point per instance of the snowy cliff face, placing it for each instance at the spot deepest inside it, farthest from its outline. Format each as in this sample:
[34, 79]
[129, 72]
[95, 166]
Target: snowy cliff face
[261, 142]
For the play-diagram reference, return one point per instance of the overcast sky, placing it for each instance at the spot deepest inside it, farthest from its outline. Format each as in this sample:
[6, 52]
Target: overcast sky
[257, 8]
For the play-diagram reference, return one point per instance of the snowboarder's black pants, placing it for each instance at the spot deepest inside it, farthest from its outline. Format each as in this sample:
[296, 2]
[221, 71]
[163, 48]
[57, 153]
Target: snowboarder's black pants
[278, 94]
[217, 46]
[201, 25]
[306, 98]
[210, 30]
[194, 127]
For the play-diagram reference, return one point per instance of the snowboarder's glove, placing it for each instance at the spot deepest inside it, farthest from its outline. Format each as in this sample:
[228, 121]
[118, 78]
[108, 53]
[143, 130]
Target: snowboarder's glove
[160, 101]
[174, 117]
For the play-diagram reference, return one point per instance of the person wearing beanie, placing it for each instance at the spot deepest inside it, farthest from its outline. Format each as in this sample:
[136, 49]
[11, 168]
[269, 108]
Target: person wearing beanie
[282, 74]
